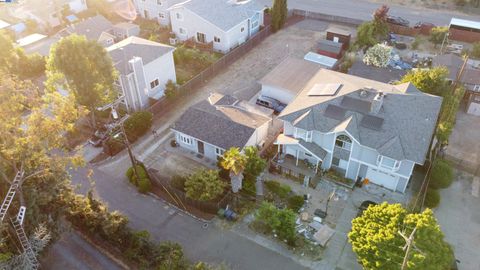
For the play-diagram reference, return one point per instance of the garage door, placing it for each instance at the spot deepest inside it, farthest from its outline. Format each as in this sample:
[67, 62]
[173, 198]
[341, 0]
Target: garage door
[382, 179]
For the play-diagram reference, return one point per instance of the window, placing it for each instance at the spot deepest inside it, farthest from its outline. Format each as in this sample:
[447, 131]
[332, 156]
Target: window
[159, 2]
[179, 16]
[154, 83]
[201, 37]
[219, 151]
[388, 162]
[343, 142]
[161, 15]
[335, 161]
[242, 29]
[254, 24]
[185, 139]
[309, 136]
[182, 31]
[216, 39]
[476, 88]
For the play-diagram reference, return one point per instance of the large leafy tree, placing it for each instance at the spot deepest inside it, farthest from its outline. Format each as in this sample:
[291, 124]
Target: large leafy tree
[254, 165]
[279, 221]
[376, 239]
[432, 81]
[438, 35]
[234, 161]
[372, 32]
[279, 14]
[85, 69]
[204, 185]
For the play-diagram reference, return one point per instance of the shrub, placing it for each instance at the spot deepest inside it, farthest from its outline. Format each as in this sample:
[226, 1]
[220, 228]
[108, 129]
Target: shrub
[437, 35]
[416, 43]
[204, 185]
[144, 184]
[476, 50]
[278, 189]
[295, 202]
[170, 89]
[378, 55]
[278, 221]
[173, 143]
[249, 187]
[442, 174]
[432, 199]
[178, 182]
[113, 146]
[138, 124]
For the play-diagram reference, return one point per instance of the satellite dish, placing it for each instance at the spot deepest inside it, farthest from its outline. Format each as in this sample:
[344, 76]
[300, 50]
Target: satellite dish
[126, 10]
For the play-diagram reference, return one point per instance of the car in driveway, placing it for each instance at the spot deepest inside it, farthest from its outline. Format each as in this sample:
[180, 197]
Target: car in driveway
[271, 103]
[398, 21]
[364, 206]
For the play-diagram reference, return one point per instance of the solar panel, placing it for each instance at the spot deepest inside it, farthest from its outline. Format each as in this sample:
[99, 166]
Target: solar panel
[335, 112]
[356, 104]
[324, 89]
[372, 122]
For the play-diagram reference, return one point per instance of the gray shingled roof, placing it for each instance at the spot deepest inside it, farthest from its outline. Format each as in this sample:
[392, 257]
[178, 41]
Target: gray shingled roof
[409, 116]
[224, 126]
[92, 28]
[225, 14]
[329, 46]
[136, 47]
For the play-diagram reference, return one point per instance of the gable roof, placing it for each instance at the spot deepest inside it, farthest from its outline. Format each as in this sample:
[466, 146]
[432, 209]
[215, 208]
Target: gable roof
[220, 123]
[402, 129]
[136, 47]
[291, 74]
[225, 14]
[92, 28]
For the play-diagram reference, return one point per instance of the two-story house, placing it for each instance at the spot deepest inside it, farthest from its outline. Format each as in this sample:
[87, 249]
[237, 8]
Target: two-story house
[145, 67]
[156, 9]
[225, 23]
[358, 127]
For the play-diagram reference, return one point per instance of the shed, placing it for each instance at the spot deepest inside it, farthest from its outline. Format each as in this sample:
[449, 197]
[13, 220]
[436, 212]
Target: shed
[338, 34]
[324, 61]
[464, 30]
[330, 48]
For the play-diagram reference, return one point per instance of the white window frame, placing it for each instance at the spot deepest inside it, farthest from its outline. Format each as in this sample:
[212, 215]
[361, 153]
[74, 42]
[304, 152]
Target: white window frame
[309, 136]
[381, 163]
[476, 87]
[216, 39]
[179, 16]
[219, 151]
[185, 139]
[155, 83]
[345, 145]
[161, 15]
[181, 29]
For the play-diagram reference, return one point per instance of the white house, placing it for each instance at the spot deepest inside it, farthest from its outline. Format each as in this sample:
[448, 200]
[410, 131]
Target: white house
[225, 23]
[94, 28]
[145, 67]
[213, 126]
[156, 9]
[358, 127]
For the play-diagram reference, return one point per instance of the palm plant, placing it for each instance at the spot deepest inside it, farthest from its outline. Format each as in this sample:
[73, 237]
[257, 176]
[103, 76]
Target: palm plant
[234, 161]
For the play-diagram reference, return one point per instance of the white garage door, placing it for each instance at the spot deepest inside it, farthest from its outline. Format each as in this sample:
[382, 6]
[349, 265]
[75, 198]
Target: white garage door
[382, 179]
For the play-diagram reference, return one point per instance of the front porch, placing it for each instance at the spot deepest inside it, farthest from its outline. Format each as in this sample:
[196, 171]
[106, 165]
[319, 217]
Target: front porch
[289, 165]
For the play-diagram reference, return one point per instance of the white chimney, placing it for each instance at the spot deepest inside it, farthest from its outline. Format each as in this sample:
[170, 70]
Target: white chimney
[377, 103]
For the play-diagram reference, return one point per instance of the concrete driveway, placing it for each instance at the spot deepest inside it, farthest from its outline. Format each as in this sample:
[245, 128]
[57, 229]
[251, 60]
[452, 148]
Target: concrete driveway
[459, 218]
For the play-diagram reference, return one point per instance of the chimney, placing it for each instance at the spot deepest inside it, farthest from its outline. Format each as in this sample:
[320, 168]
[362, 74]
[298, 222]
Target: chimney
[377, 103]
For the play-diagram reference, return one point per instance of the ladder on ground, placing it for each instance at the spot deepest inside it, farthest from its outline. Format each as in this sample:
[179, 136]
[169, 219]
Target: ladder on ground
[10, 194]
[27, 248]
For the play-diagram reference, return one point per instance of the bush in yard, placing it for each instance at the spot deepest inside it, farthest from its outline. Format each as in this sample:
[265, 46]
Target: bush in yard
[204, 185]
[432, 81]
[437, 35]
[178, 182]
[144, 184]
[278, 189]
[278, 221]
[432, 198]
[295, 202]
[170, 89]
[249, 188]
[378, 55]
[442, 174]
[476, 50]
[137, 124]
[113, 146]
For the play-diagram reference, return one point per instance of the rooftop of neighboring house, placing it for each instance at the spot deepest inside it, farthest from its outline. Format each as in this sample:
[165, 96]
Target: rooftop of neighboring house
[329, 46]
[454, 63]
[292, 74]
[125, 25]
[225, 14]
[92, 28]
[133, 46]
[386, 74]
[396, 120]
[220, 121]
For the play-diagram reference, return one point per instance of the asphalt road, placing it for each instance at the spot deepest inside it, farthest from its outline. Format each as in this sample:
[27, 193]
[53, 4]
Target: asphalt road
[72, 252]
[362, 10]
[211, 244]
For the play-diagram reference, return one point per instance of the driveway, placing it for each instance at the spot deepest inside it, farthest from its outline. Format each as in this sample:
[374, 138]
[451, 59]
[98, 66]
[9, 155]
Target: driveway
[459, 218]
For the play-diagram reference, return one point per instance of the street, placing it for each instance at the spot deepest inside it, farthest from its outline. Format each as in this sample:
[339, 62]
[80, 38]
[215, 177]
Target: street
[363, 10]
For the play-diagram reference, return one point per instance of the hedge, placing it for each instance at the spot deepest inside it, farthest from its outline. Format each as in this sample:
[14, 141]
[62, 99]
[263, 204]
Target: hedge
[137, 124]
[442, 174]
[432, 199]
[144, 184]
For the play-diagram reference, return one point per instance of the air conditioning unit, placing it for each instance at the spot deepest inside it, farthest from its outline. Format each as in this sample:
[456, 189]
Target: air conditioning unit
[173, 41]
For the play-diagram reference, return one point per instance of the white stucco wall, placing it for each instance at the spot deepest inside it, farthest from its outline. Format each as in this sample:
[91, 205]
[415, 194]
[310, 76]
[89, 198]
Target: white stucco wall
[259, 135]
[163, 69]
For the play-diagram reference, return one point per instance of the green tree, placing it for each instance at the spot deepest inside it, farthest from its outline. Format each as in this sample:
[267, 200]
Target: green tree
[279, 14]
[476, 50]
[85, 69]
[372, 32]
[204, 185]
[234, 161]
[442, 174]
[376, 239]
[7, 52]
[278, 221]
[254, 164]
[432, 81]
[438, 34]
[137, 124]
[171, 256]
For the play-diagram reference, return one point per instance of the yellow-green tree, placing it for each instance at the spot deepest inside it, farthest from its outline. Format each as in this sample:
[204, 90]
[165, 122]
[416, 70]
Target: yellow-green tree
[234, 161]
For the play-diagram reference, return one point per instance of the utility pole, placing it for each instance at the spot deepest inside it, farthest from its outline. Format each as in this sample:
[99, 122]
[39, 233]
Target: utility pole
[130, 153]
[408, 246]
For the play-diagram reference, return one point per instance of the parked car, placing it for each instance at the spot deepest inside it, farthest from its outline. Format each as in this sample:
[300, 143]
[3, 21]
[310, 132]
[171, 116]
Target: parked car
[424, 25]
[363, 206]
[271, 103]
[398, 21]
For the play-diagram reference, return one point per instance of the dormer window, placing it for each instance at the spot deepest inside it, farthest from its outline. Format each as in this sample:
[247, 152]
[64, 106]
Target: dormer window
[388, 163]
